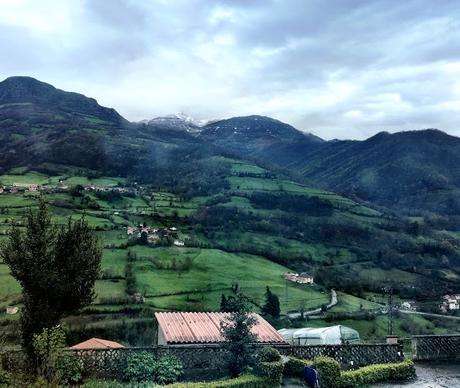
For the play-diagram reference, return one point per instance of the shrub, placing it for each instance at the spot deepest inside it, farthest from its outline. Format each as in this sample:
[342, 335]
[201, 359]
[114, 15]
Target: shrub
[143, 367]
[69, 368]
[272, 371]
[268, 354]
[379, 372]
[329, 371]
[140, 367]
[244, 381]
[167, 370]
[115, 384]
[294, 367]
[4, 378]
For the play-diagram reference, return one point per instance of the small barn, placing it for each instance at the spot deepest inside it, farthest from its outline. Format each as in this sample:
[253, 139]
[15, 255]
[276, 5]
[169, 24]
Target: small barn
[179, 328]
[97, 343]
[332, 335]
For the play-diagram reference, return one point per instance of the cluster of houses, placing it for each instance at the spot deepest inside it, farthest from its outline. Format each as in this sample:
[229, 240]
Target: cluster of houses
[302, 278]
[450, 303]
[155, 234]
[121, 190]
[19, 187]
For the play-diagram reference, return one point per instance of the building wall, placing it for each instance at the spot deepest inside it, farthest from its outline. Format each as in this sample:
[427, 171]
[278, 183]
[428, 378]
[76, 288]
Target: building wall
[161, 337]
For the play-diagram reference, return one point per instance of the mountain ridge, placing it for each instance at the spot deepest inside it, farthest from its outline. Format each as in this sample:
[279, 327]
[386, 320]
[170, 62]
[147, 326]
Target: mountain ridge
[22, 89]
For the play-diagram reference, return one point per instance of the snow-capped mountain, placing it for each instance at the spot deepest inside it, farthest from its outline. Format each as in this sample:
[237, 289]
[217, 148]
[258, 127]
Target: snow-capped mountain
[178, 121]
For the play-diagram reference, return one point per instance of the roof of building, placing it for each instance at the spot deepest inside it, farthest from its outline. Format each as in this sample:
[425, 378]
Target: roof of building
[97, 343]
[204, 327]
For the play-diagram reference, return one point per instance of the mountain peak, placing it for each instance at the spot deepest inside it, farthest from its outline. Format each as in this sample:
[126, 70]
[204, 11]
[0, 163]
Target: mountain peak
[256, 126]
[177, 121]
[23, 89]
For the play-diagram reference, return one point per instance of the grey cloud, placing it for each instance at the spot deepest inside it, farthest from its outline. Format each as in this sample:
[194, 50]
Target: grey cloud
[336, 68]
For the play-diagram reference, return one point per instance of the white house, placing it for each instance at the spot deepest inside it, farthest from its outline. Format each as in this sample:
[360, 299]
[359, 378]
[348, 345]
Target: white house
[302, 278]
[451, 302]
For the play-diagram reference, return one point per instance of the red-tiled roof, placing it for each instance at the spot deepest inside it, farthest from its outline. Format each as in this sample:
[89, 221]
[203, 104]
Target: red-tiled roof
[97, 343]
[205, 328]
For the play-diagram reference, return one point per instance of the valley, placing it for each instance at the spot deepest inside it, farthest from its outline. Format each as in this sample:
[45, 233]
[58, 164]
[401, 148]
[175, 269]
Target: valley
[220, 217]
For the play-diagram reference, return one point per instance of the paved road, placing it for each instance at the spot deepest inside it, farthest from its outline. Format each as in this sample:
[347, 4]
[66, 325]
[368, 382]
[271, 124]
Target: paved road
[429, 314]
[315, 311]
[433, 375]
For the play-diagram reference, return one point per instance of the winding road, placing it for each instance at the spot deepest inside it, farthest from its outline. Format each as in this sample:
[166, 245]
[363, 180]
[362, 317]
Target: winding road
[298, 314]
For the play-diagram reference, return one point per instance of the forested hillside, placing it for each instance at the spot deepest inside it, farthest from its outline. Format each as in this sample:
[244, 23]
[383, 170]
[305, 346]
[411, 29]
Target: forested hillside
[225, 221]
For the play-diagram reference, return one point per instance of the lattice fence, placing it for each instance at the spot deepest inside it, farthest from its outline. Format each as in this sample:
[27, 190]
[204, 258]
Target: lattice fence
[349, 356]
[200, 360]
[435, 347]
[212, 358]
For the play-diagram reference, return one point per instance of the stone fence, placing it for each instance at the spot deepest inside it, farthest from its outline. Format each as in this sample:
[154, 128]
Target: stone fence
[199, 361]
[436, 347]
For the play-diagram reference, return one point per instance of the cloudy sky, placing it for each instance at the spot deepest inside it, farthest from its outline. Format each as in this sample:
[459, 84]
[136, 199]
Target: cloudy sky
[339, 69]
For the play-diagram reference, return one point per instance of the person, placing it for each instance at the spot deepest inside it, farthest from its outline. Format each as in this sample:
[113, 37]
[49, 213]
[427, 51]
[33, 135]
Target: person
[311, 376]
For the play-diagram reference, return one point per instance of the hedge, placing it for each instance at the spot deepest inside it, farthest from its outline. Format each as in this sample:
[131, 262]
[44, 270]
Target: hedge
[372, 374]
[244, 381]
[269, 364]
[272, 371]
[294, 367]
[332, 377]
[268, 354]
[329, 371]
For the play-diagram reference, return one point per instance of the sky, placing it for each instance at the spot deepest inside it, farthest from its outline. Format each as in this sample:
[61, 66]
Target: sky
[336, 68]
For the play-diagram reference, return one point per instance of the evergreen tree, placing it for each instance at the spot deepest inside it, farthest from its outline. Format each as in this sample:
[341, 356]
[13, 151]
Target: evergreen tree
[272, 304]
[56, 267]
[238, 336]
[223, 303]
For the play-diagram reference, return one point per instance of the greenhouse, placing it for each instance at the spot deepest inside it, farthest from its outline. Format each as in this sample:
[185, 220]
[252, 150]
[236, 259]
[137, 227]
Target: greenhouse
[332, 335]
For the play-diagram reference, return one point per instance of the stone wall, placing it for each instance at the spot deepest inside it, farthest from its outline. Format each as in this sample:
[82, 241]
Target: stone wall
[198, 360]
[202, 360]
[436, 347]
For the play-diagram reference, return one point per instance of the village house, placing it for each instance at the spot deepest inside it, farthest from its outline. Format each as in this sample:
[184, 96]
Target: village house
[450, 303]
[26, 186]
[409, 305]
[153, 234]
[302, 278]
[11, 310]
[97, 343]
[178, 328]
[179, 243]
[131, 230]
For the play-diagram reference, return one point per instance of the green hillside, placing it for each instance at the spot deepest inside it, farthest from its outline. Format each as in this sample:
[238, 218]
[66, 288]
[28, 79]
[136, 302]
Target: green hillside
[221, 222]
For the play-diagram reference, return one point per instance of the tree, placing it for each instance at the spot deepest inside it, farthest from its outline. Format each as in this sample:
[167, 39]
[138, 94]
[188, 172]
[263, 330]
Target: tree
[143, 240]
[223, 303]
[56, 266]
[272, 304]
[236, 331]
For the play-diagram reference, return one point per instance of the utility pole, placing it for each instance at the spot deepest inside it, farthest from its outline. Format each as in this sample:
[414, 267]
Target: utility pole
[286, 290]
[389, 291]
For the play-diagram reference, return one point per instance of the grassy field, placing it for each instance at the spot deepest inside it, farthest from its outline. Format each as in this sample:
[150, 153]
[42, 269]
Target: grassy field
[186, 278]
[212, 273]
